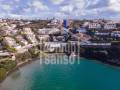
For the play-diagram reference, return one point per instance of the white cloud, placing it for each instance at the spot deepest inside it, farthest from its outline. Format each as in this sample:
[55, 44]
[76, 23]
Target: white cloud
[57, 2]
[80, 4]
[95, 2]
[74, 8]
[92, 2]
[78, 8]
[6, 7]
[16, 0]
[67, 8]
[27, 10]
[114, 5]
[60, 15]
[37, 5]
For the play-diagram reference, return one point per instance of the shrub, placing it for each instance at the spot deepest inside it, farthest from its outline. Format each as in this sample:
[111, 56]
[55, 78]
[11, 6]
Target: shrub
[11, 49]
[1, 38]
[8, 65]
[2, 73]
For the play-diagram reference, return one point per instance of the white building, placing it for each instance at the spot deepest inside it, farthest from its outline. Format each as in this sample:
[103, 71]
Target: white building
[46, 31]
[94, 26]
[43, 37]
[8, 31]
[102, 34]
[110, 25]
[86, 24]
[14, 32]
[21, 40]
[9, 41]
[82, 30]
[30, 35]
[115, 34]
[13, 26]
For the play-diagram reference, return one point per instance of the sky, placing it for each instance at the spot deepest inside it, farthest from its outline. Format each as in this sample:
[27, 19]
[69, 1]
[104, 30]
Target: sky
[70, 9]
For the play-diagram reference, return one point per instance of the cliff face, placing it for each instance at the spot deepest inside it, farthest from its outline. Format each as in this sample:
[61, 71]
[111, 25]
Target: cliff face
[109, 56]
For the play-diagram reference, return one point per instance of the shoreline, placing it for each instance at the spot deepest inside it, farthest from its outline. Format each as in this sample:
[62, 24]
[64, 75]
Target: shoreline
[21, 64]
[18, 66]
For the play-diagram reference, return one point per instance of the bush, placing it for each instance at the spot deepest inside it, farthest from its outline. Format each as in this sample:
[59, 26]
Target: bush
[34, 51]
[11, 49]
[1, 38]
[2, 73]
[8, 65]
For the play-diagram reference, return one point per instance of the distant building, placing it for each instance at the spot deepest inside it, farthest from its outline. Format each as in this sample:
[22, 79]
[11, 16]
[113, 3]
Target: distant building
[43, 38]
[46, 31]
[14, 32]
[81, 30]
[13, 26]
[94, 26]
[86, 24]
[43, 31]
[29, 35]
[102, 33]
[21, 40]
[9, 41]
[5, 33]
[110, 25]
[66, 23]
[8, 31]
[115, 34]
[56, 23]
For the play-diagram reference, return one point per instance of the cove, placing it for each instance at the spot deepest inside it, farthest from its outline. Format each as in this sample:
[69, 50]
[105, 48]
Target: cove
[88, 75]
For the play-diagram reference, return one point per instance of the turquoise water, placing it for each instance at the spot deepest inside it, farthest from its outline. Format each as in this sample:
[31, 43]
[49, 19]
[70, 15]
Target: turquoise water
[88, 75]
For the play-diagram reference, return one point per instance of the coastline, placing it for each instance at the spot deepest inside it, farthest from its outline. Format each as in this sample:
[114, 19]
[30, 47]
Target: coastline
[111, 58]
[18, 66]
[28, 61]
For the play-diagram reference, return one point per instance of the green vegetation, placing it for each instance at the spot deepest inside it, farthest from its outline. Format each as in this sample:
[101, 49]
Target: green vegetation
[8, 65]
[1, 38]
[34, 51]
[5, 67]
[2, 73]
[23, 56]
[11, 49]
